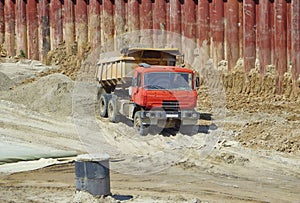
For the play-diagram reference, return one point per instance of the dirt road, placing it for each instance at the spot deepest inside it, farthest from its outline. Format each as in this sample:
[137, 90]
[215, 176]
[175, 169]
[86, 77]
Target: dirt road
[258, 179]
[251, 155]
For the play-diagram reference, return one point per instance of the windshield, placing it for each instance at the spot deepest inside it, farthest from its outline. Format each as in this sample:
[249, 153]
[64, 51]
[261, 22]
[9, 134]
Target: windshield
[168, 80]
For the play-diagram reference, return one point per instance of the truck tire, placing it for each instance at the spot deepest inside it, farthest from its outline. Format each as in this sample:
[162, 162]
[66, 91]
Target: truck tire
[112, 110]
[103, 104]
[138, 124]
[189, 129]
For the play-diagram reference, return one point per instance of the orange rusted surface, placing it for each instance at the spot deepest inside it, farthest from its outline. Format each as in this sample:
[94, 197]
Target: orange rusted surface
[9, 17]
[159, 23]
[94, 29]
[264, 35]
[44, 31]
[21, 27]
[175, 26]
[203, 25]
[2, 24]
[249, 38]
[120, 17]
[68, 25]
[217, 29]
[107, 25]
[232, 32]
[32, 29]
[146, 22]
[56, 23]
[295, 38]
[280, 40]
[266, 31]
[81, 22]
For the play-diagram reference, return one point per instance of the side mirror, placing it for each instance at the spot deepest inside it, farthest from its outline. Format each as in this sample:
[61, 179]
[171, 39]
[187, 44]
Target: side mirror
[197, 82]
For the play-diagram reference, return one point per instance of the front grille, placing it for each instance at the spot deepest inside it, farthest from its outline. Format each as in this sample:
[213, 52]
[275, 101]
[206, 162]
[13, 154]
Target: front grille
[172, 105]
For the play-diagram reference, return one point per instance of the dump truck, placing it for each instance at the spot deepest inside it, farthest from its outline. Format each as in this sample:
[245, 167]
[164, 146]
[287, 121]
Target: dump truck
[149, 86]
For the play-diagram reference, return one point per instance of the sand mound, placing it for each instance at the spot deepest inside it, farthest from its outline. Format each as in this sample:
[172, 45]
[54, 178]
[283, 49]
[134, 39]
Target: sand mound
[5, 82]
[51, 94]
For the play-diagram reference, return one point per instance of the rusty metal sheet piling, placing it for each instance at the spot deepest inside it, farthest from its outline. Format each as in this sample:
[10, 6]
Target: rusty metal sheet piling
[175, 28]
[94, 29]
[44, 34]
[56, 23]
[81, 26]
[263, 35]
[145, 10]
[189, 19]
[217, 30]
[120, 17]
[9, 17]
[133, 22]
[68, 25]
[272, 30]
[295, 38]
[146, 22]
[2, 24]
[288, 36]
[32, 29]
[159, 23]
[265, 30]
[203, 22]
[232, 32]
[107, 25]
[21, 28]
[241, 27]
[167, 7]
[280, 41]
[189, 29]
[249, 38]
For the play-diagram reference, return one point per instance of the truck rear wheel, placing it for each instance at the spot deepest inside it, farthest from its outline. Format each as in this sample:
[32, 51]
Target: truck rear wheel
[112, 111]
[103, 104]
[138, 124]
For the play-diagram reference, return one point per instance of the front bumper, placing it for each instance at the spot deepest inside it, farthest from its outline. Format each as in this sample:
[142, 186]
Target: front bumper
[186, 117]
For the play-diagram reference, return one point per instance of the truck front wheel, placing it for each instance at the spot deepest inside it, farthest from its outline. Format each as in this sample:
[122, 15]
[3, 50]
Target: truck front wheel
[138, 124]
[103, 104]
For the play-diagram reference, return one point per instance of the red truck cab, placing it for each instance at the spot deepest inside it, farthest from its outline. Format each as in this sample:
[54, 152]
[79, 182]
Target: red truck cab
[165, 96]
[164, 87]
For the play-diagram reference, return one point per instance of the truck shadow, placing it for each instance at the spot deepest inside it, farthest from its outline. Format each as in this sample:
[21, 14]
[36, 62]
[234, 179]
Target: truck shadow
[206, 116]
[201, 128]
[167, 132]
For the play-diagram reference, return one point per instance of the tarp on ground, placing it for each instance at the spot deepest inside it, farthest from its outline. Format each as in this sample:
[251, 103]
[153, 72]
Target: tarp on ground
[13, 152]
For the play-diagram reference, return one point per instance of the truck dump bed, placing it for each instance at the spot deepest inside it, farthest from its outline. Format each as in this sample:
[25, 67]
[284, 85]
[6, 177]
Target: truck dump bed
[113, 70]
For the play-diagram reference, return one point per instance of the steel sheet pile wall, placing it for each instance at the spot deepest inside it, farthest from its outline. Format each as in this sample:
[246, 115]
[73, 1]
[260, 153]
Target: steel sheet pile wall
[267, 30]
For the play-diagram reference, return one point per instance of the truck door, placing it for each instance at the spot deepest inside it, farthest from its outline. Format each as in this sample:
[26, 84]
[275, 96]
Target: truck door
[136, 91]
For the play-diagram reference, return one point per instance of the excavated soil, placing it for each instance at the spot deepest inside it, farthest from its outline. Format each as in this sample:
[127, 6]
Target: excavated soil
[254, 156]
[252, 93]
[69, 63]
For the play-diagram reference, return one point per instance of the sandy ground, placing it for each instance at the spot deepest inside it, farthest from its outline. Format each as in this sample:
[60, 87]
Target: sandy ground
[250, 155]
